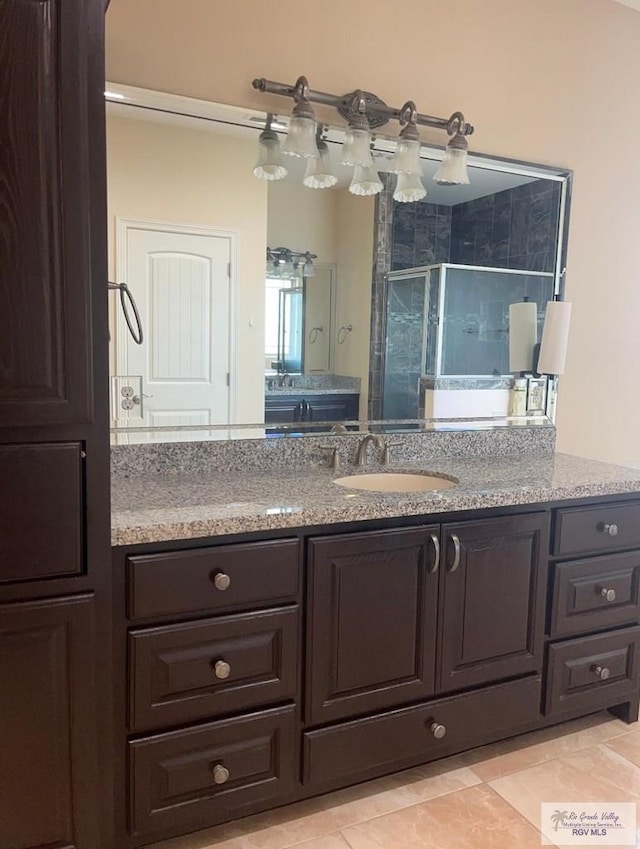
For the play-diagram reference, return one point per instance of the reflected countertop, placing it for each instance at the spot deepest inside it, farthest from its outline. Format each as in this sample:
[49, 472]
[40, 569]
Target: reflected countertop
[156, 508]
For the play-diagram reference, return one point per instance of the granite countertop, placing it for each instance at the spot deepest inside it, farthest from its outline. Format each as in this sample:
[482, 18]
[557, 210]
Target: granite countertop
[296, 390]
[156, 508]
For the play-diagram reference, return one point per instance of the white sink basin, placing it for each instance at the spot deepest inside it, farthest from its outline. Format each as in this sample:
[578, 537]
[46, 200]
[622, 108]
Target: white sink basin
[397, 482]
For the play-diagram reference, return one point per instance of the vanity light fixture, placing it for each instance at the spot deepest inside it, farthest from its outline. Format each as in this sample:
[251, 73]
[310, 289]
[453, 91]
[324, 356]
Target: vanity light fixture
[363, 112]
[269, 165]
[453, 169]
[365, 181]
[318, 174]
[301, 138]
[285, 262]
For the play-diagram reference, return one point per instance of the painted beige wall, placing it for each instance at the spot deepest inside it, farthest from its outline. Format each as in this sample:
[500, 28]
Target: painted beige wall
[187, 176]
[355, 268]
[551, 81]
[303, 219]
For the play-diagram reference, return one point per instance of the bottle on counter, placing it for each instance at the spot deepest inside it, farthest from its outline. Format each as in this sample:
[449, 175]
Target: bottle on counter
[518, 397]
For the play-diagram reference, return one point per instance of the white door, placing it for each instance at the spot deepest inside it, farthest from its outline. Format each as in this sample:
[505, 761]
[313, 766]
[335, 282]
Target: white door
[181, 283]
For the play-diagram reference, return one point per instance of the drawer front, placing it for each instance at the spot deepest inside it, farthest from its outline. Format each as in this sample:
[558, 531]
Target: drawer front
[189, 779]
[180, 673]
[221, 578]
[364, 748]
[592, 672]
[593, 594]
[580, 530]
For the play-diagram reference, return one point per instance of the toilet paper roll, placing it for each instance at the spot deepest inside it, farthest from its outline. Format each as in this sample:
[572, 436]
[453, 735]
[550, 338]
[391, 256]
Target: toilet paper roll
[523, 335]
[555, 338]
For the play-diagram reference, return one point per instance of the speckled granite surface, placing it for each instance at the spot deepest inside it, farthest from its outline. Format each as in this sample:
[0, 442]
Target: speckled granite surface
[158, 507]
[229, 455]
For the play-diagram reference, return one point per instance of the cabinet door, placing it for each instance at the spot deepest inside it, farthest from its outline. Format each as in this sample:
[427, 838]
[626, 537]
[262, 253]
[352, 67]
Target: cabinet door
[47, 716]
[371, 621]
[333, 408]
[283, 410]
[492, 603]
[46, 177]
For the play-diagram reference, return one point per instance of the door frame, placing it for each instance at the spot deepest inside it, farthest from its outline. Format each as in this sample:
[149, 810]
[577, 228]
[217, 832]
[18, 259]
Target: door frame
[123, 225]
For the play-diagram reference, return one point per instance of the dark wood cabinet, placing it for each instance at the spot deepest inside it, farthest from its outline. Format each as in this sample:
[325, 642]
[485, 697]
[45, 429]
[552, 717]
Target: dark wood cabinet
[492, 603]
[48, 755]
[304, 409]
[371, 621]
[55, 657]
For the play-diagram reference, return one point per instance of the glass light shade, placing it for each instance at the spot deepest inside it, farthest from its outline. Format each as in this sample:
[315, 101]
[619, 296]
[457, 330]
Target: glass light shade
[453, 168]
[406, 159]
[318, 174]
[269, 165]
[365, 181]
[356, 148]
[309, 269]
[301, 138]
[409, 188]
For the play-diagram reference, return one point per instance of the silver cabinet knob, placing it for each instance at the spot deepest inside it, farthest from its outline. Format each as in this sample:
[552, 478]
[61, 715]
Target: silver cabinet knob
[609, 595]
[220, 774]
[438, 730]
[611, 530]
[222, 669]
[221, 581]
[602, 672]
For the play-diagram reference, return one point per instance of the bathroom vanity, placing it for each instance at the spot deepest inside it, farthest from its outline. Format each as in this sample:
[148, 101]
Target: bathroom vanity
[278, 636]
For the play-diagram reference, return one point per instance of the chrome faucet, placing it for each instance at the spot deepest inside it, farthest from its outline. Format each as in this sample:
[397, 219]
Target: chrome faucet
[378, 441]
[285, 378]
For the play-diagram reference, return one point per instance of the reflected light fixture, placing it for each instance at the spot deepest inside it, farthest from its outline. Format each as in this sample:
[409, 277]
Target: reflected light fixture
[453, 168]
[318, 174]
[301, 138]
[406, 159]
[356, 148]
[409, 188]
[269, 165]
[366, 181]
[309, 269]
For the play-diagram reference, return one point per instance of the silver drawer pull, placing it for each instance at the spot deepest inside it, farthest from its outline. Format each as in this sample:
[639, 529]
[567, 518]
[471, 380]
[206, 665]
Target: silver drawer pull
[220, 774]
[438, 731]
[222, 669]
[611, 530]
[456, 552]
[436, 552]
[602, 672]
[608, 595]
[221, 581]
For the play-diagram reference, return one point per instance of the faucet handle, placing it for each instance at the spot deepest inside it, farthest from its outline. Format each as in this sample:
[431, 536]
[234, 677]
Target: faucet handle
[334, 457]
[386, 454]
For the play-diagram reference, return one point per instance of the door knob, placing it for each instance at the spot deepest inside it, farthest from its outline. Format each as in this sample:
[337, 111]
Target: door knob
[221, 581]
[222, 669]
[609, 595]
[220, 774]
[438, 730]
[602, 672]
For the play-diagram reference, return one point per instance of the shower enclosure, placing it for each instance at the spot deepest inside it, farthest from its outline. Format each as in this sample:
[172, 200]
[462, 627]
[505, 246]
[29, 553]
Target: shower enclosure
[447, 328]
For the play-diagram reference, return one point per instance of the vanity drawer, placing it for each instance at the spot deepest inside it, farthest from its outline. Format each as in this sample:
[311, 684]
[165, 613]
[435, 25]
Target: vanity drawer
[593, 594]
[580, 530]
[367, 747]
[592, 672]
[180, 673]
[220, 578]
[194, 778]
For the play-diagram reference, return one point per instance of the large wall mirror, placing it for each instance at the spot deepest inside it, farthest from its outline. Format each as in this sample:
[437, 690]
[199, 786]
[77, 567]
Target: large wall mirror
[269, 307]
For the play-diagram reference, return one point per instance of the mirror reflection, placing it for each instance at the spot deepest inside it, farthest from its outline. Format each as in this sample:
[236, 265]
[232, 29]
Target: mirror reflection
[266, 301]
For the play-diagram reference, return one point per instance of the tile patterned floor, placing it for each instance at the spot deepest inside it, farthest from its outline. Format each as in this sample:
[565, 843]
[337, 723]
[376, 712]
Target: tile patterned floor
[485, 799]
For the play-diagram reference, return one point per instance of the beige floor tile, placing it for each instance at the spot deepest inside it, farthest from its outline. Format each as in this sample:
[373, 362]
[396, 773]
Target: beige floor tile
[539, 746]
[627, 745]
[597, 774]
[474, 818]
[305, 821]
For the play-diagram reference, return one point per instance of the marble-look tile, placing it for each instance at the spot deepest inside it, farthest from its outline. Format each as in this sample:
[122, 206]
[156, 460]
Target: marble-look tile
[627, 745]
[468, 819]
[595, 774]
[538, 747]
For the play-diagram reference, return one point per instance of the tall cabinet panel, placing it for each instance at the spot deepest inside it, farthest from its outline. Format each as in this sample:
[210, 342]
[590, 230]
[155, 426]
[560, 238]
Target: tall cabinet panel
[54, 450]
